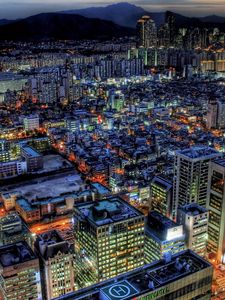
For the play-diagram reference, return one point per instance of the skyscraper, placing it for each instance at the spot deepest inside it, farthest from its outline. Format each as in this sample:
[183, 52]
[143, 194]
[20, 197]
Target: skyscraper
[146, 32]
[109, 240]
[216, 206]
[171, 22]
[191, 170]
[212, 119]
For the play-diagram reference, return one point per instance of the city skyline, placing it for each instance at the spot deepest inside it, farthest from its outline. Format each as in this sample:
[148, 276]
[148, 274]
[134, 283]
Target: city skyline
[112, 150]
[23, 8]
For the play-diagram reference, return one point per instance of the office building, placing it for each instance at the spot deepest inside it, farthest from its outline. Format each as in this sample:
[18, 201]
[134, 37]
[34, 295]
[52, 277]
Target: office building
[146, 32]
[19, 273]
[33, 158]
[162, 237]
[161, 190]
[31, 123]
[13, 229]
[184, 276]
[191, 169]
[216, 206]
[109, 240]
[194, 219]
[56, 261]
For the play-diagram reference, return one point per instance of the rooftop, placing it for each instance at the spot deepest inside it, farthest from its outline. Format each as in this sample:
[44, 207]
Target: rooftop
[198, 152]
[25, 205]
[50, 243]
[15, 254]
[108, 211]
[161, 227]
[220, 161]
[162, 182]
[31, 152]
[144, 280]
[193, 209]
[11, 218]
[100, 188]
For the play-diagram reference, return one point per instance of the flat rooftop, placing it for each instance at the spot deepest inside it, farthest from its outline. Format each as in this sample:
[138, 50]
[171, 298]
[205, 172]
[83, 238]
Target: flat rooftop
[100, 188]
[108, 211]
[162, 182]
[15, 254]
[31, 152]
[145, 280]
[193, 209]
[198, 152]
[46, 187]
[25, 204]
[220, 162]
[157, 225]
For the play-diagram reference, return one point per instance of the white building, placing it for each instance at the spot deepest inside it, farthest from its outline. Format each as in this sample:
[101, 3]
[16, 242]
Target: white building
[194, 219]
[31, 122]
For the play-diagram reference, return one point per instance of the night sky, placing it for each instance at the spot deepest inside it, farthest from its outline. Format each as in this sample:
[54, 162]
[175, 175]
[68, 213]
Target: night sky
[12, 9]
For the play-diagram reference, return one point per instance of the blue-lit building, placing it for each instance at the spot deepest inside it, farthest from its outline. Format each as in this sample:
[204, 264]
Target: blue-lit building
[162, 237]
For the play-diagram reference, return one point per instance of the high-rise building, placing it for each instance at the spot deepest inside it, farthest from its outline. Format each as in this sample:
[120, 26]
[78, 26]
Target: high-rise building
[56, 261]
[221, 114]
[216, 206]
[184, 276]
[109, 240]
[171, 23]
[146, 32]
[194, 219]
[162, 237]
[19, 273]
[191, 170]
[211, 120]
[161, 190]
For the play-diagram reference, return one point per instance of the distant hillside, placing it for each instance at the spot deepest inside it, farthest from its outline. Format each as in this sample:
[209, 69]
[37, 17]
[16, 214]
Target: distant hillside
[5, 21]
[123, 13]
[58, 26]
[126, 14]
[213, 19]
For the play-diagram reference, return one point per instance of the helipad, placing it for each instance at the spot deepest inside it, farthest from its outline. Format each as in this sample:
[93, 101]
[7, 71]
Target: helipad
[119, 291]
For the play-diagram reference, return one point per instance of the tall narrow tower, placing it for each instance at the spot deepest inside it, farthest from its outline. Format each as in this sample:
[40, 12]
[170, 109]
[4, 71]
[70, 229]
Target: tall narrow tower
[146, 32]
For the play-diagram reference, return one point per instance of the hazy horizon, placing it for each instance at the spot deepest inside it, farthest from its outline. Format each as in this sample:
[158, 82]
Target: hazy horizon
[14, 9]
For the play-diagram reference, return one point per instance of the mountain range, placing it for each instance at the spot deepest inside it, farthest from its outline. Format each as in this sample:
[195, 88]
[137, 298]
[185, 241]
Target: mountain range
[116, 20]
[59, 26]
